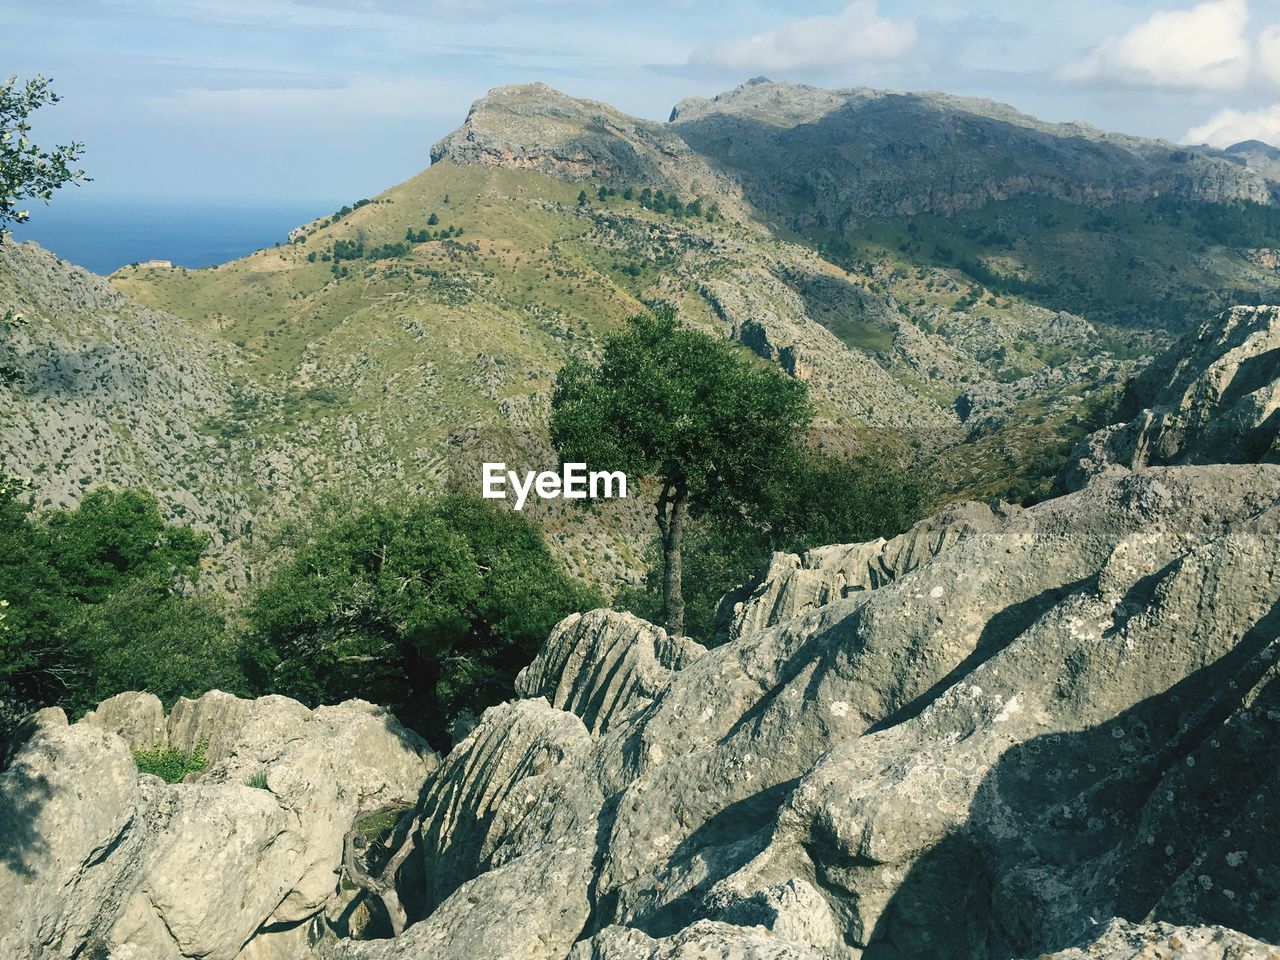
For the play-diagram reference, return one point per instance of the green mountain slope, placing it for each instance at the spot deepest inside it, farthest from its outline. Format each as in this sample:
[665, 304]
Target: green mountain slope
[394, 346]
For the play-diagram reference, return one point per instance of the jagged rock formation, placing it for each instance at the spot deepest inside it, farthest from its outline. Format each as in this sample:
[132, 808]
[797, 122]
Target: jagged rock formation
[602, 666]
[790, 585]
[99, 858]
[1128, 941]
[1074, 709]
[1214, 399]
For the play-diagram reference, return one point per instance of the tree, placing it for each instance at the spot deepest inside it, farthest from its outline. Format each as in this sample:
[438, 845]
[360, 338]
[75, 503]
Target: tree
[709, 425]
[428, 607]
[582, 198]
[26, 171]
[817, 499]
[92, 609]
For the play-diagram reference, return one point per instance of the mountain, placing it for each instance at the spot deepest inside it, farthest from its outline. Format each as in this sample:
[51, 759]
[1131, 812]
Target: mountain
[972, 325]
[1047, 732]
[1259, 156]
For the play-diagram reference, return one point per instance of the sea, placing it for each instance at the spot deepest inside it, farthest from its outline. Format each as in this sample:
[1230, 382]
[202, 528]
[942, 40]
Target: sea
[104, 233]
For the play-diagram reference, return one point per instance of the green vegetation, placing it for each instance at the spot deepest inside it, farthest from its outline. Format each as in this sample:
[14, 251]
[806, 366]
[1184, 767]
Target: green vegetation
[715, 430]
[430, 607]
[171, 764]
[258, 781]
[26, 171]
[815, 500]
[660, 202]
[92, 605]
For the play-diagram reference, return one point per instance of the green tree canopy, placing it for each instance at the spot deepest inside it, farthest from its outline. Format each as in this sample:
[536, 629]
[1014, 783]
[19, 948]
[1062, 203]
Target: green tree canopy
[92, 608]
[26, 171]
[712, 427]
[428, 607]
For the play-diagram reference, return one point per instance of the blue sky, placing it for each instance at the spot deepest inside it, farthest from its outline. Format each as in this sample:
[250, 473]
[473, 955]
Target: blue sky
[320, 99]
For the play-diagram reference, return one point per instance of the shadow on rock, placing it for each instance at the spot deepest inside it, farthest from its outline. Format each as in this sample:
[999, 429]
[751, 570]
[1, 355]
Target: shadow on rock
[1166, 812]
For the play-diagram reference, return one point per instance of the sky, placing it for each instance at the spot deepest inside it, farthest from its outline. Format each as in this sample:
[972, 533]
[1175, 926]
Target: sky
[321, 99]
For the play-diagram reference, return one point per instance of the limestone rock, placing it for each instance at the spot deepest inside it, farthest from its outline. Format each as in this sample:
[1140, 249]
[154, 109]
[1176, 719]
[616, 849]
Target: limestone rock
[1213, 399]
[136, 717]
[1071, 707]
[703, 939]
[460, 827]
[527, 909]
[789, 585]
[604, 665]
[1122, 940]
[70, 808]
[97, 855]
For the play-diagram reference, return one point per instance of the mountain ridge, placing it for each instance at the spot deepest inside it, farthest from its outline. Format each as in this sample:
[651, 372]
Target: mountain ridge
[376, 350]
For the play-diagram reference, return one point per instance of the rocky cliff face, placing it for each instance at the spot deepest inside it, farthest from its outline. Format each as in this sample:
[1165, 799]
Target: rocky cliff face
[850, 154]
[862, 153]
[1214, 399]
[535, 127]
[1008, 732]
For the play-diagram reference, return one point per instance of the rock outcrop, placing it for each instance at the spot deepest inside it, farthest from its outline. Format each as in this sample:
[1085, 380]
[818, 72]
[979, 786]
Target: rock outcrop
[240, 857]
[603, 666]
[1122, 940]
[792, 585]
[1074, 709]
[1213, 399]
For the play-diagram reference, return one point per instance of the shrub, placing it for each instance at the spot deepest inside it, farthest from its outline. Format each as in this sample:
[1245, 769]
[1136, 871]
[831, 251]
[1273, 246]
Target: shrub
[428, 607]
[171, 764]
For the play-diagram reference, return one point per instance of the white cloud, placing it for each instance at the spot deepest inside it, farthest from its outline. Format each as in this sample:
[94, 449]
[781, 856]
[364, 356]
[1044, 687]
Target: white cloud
[1268, 60]
[856, 34]
[1231, 126]
[1204, 48]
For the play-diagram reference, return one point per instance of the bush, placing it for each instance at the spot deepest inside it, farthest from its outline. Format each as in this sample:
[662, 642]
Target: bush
[92, 609]
[428, 607]
[171, 764]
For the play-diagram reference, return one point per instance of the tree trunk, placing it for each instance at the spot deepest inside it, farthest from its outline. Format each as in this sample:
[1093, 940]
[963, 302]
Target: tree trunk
[384, 885]
[673, 507]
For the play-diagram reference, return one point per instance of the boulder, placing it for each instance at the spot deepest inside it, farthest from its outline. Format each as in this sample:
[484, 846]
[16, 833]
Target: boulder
[71, 809]
[459, 813]
[97, 856]
[138, 718]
